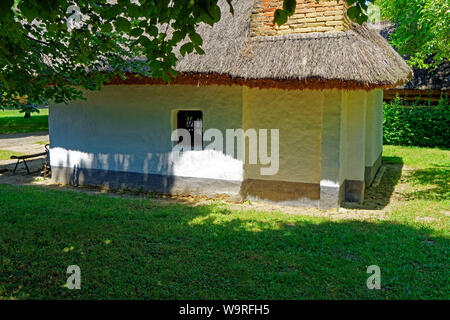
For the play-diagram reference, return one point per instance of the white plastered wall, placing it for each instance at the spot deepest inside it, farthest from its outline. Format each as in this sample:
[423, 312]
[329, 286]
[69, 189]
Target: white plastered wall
[354, 141]
[344, 137]
[128, 128]
[374, 126]
[298, 116]
[332, 131]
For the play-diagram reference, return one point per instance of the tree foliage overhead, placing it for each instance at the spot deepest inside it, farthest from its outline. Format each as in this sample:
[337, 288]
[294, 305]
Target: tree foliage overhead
[423, 29]
[50, 49]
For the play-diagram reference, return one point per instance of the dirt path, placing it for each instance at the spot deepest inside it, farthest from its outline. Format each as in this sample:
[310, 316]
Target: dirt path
[22, 140]
[27, 143]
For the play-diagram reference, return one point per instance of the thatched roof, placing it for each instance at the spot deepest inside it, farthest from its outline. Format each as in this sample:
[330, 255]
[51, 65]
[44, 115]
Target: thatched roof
[423, 79]
[353, 59]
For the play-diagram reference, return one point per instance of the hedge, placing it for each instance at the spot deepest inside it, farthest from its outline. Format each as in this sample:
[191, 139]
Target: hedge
[422, 126]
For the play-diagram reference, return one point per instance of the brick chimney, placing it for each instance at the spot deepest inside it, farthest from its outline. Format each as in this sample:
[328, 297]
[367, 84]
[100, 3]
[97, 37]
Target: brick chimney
[309, 16]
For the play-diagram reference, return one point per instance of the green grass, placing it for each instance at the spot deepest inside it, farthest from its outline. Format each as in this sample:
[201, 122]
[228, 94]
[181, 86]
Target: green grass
[417, 157]
[12, 121]
[6, 154]
[430, 177]
[138, 248]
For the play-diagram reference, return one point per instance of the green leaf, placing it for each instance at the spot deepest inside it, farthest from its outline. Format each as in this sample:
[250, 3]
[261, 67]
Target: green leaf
[177, 36]
[280, 17]
[53, 27]
[186, 48]
[136, 32]
[6, 5]
[361, 19]
[231, 6]
[289, 6]
[112, 12]
[173, 73]
[145, 42]
[133, 10]
[152, 30]
[199, 50]
[143, 23]
[353, 12]
[215, 13]
[107, 27]
[122, 25]
[196, 39]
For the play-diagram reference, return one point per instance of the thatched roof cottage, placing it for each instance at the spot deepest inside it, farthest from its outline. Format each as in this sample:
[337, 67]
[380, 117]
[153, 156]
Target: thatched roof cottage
[315, 83]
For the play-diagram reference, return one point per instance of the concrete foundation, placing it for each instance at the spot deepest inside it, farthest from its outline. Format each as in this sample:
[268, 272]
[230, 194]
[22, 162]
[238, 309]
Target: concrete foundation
[371, 171]
[330, 197]
[148, 182]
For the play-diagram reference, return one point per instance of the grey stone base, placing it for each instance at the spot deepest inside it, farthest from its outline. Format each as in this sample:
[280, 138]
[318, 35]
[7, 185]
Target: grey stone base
[349, 191]
[281, 192]
[371, 172]
[330, 197]
[147, 182]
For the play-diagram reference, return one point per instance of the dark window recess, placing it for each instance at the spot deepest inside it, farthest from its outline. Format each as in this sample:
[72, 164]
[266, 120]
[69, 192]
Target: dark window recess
[192, 121]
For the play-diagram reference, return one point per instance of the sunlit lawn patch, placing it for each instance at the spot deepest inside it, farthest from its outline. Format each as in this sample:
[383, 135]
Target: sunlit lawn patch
[12, 121]
[138, 248]
[6, 154]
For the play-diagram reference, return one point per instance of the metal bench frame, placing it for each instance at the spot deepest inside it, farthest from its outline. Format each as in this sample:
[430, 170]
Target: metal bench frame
[29, 156]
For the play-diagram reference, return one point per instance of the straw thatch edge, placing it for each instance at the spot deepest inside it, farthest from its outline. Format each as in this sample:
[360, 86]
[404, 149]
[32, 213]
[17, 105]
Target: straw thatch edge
[205, 79]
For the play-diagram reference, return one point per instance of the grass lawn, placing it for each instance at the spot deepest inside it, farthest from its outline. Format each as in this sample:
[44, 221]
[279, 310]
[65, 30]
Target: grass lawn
[138, 248]
[417, 158]
[6, 154]
[12, 121]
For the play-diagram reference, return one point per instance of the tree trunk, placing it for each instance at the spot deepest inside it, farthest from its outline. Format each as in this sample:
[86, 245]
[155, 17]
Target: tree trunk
[27, 114]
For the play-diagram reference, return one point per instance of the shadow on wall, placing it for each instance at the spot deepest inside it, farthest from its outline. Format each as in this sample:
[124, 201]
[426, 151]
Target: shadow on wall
[209, 252]
[377, 198]
[113, 174]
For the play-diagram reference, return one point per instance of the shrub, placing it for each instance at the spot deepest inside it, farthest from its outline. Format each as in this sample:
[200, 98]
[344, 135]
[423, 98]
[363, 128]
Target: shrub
[414, 125]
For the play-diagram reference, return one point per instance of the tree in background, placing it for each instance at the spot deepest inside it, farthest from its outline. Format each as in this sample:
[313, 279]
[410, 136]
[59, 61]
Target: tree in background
[423, 29]
[51, 50]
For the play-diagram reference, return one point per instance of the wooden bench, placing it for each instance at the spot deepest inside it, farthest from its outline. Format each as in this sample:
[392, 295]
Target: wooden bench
[23, 158]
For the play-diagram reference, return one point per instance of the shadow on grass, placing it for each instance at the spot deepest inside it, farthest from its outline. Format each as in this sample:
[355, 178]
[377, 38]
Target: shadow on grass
[134, 249]
[426, 184]
[432, 183]
[21, 176]
[377, 198]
